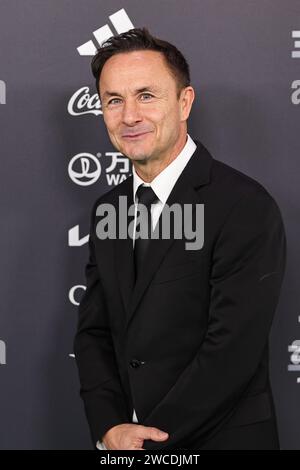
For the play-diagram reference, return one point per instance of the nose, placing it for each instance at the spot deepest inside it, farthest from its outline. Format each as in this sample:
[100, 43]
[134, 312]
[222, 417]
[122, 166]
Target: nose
[131, 113]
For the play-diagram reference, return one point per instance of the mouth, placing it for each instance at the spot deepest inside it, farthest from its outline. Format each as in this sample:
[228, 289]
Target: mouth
[135, 136]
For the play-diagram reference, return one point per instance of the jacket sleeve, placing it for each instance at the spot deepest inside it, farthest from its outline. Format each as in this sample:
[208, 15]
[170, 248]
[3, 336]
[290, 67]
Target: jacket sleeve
[247, 270]
[100, 386]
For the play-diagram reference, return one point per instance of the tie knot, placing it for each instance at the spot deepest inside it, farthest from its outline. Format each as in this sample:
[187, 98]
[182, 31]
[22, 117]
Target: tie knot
[146, 195]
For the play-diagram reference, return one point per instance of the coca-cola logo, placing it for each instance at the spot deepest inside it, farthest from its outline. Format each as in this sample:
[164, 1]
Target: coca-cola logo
[82, 102]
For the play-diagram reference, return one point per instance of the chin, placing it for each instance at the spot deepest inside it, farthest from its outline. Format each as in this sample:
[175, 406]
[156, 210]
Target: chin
[137, 154]
[138, 158]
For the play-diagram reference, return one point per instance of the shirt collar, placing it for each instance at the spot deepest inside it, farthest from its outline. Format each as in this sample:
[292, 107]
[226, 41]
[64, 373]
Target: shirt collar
[163, 183]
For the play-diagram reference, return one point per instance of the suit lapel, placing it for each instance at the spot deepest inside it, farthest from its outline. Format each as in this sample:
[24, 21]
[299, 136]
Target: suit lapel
[196, 173]
[124, 261]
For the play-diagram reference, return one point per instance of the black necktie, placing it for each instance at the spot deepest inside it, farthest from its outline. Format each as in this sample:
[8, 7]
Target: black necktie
[146, 196]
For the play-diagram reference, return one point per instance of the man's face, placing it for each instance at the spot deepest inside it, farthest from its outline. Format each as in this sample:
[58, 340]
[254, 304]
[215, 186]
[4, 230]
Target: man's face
[141, 111]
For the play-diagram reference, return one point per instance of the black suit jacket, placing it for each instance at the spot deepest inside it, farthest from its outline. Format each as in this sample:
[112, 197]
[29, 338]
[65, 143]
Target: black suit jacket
[187, 345]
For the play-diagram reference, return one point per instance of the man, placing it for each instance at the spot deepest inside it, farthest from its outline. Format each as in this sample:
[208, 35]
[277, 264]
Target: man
[172, 343]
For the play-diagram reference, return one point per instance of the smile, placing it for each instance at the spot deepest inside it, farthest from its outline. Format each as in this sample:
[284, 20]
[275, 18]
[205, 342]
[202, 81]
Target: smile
[135, 136]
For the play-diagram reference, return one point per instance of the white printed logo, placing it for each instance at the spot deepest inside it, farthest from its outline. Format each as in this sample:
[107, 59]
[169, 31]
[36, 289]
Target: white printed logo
[296, 53]
[117, 158]
[294, 349]
[295, 96]
[75, 302]
[85, 168]
[121, 23]
[82, 102]
[72, 294]
[2, 92]
[2, 352]
[74, 237]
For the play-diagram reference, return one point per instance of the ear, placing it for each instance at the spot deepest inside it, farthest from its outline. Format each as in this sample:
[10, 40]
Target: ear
[187, 97]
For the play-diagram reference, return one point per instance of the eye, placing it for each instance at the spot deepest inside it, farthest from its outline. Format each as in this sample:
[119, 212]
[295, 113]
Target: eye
[147, 94]
[113, 99]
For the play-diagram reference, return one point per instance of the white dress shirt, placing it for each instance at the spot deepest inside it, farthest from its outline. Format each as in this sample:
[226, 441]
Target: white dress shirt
[162, 185]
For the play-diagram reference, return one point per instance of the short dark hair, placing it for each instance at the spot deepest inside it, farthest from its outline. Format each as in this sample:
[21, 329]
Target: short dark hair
[138, 39]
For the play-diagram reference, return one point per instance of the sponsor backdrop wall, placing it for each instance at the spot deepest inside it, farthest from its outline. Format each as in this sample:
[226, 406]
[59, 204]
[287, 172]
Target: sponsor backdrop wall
[56, 159]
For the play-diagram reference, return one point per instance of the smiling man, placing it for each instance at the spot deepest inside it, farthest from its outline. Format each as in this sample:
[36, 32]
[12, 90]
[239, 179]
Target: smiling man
[145, 109]
[172, 344]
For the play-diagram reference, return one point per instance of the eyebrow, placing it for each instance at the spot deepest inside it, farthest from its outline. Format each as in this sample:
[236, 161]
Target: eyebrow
[139, 90]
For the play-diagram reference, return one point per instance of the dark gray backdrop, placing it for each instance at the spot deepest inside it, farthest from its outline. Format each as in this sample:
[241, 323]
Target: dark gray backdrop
[246, 112]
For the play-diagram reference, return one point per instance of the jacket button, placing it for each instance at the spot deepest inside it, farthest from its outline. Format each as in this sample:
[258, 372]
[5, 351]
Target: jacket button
[135, 363]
